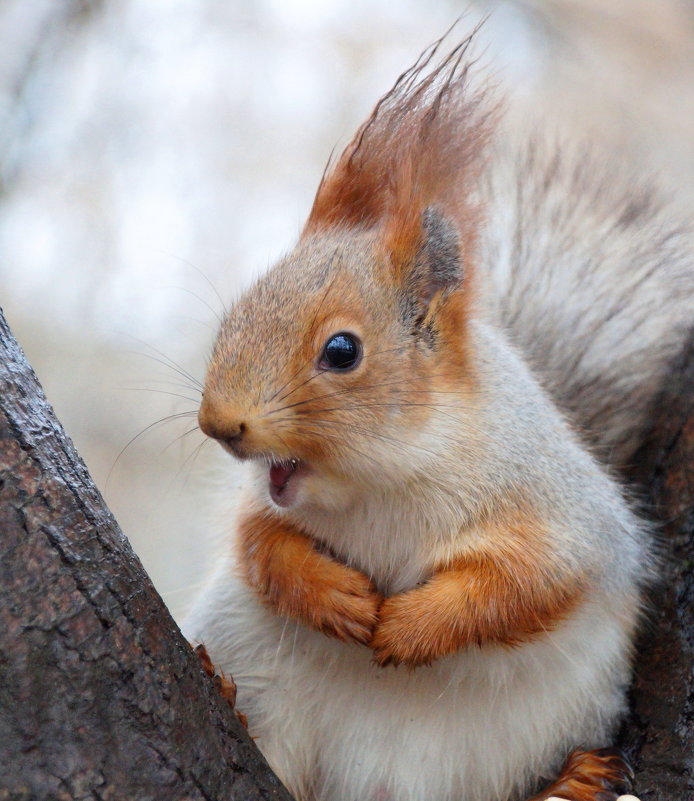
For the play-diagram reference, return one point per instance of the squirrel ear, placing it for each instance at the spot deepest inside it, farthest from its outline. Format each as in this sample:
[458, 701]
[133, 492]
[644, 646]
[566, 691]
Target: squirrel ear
[437, 263]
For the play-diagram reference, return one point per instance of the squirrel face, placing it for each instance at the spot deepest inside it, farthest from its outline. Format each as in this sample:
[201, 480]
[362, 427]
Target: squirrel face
[324, 372]
[381, 272]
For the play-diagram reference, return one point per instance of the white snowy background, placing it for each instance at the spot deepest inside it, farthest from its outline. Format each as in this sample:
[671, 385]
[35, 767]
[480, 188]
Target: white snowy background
[156, 155]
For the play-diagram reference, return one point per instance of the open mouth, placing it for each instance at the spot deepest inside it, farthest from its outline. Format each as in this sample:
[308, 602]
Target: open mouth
[284, 480]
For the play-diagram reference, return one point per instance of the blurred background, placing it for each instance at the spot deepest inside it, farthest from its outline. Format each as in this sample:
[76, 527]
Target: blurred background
[156, 155]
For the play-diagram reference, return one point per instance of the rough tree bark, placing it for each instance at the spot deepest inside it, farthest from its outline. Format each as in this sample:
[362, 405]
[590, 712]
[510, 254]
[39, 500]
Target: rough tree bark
[100, 696]
[659, 734]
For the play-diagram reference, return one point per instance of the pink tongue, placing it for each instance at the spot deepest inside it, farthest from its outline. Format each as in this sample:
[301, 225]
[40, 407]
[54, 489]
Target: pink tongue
[279, 474]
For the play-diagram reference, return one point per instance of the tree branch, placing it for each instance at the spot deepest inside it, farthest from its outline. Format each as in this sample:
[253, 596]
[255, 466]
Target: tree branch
[100, 696]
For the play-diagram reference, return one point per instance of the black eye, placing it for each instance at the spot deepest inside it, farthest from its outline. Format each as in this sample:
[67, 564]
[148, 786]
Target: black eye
[341, 352]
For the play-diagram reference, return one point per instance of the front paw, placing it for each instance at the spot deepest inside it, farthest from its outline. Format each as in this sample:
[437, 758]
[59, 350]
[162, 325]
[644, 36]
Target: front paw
[347, 608]
[406, 633]
[332, 598]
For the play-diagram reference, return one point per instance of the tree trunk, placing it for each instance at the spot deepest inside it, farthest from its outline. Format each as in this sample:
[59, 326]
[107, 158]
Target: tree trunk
[100, 696]
[659, 734]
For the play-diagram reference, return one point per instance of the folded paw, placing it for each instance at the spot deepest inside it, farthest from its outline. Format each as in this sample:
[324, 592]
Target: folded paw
[339, 602]
[409, 631]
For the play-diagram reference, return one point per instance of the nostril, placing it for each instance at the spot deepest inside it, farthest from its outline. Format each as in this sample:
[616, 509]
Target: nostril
[235, 436]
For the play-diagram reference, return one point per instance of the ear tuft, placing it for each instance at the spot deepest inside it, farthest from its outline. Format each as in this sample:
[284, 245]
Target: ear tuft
[422, 145]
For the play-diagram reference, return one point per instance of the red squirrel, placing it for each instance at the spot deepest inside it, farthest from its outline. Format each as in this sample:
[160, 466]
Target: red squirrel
[430, 394]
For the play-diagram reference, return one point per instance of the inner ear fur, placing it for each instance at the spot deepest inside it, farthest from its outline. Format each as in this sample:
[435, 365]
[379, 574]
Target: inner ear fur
[438, 264]
[434, 264]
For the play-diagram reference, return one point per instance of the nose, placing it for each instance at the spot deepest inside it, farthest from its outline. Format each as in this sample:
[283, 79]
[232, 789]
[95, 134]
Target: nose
[220, 422]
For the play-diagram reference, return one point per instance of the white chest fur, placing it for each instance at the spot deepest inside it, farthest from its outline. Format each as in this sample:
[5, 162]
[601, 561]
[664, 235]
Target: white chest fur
[386, 538]
[479, 726]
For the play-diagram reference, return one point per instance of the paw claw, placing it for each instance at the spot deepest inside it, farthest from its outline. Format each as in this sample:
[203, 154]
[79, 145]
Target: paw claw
[592, 776]
[205, 661]
[383, 659]
[347, 616]
[344, 608]
[225, 685]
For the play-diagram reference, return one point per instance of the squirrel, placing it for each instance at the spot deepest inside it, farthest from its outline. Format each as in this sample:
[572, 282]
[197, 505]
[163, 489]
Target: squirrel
[434, 394]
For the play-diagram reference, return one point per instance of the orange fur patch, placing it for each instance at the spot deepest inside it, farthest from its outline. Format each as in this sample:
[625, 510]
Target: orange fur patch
[506, 593]
[296, 580]
[590, 776]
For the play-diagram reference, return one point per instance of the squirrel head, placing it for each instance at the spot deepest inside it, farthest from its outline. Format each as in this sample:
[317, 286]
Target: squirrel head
[326, 372]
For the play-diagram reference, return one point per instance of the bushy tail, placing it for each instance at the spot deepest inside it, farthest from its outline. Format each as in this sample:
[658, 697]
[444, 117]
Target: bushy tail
[592, 276]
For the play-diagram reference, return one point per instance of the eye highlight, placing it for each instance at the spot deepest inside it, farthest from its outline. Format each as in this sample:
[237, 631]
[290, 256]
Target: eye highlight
[341, 352]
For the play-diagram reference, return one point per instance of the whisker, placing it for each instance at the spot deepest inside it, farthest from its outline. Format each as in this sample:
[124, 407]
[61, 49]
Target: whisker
[310, 378]
[302, 384]
[285, 385]
[211, 285]
[180, 437]
[341, 443]
[172, 383]
[188, 319]
[192, 458]
[399, 405]
[284, 442]
[160, 392]
[197, 297]
[169, 361]
[435, 407]
[190, 264]
[351, 390]
[150, 427]
[313, 322]
[316, 375]
[369, 432]
[322, 300]
[182, 373]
